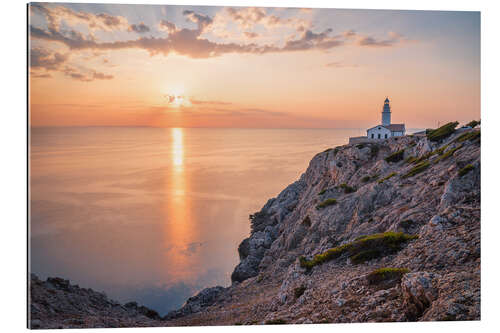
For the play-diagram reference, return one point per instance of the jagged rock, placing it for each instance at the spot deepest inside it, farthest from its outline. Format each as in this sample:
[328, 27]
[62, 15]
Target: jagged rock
[419, 292]
[194, 304]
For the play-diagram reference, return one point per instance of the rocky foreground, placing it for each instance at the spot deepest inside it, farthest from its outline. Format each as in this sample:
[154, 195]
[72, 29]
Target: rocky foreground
[386, 231]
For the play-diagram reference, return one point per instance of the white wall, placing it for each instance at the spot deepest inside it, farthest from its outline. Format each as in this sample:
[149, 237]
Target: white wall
[379, 130]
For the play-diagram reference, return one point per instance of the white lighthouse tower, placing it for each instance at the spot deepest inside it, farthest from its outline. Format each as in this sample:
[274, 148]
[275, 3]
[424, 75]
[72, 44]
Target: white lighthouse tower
[386, 113]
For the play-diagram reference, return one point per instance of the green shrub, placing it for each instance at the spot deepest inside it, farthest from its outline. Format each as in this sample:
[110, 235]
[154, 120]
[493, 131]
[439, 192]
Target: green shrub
[473, 123]
[322, 191]
[276, 322]
[442, 132]
[326, 203]
[347, 189]
[375, 176]
[420, 167]
[365, 179]
[439, 151]
[465, 170]
[396, 156]
[361, 249]
[386, 274]
[387, 177]
[447, 154]
[411, 159]
[468, 136]
[299, 291]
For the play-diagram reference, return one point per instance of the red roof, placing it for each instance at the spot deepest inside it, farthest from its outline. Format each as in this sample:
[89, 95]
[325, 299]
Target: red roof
[395, 127]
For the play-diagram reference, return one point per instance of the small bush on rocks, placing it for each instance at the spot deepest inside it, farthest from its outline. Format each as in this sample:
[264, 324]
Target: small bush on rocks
[465, 170]
[347, 189]
[442, 132]
[322, 192]
[387, 177]
[396, 156]
[361, 249]
[365, 179]
[420, 167]
[326, 203]
[384, 274]
[447, 154]
[468, 136]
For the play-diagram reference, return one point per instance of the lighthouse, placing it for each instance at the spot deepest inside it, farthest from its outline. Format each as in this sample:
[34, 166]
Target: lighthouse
[386, 113]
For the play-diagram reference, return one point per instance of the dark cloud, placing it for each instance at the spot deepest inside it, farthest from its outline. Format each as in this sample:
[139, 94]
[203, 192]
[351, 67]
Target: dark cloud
[167, 26]
[140, 28]
[41, 58]
[311, 40]
[201, 20]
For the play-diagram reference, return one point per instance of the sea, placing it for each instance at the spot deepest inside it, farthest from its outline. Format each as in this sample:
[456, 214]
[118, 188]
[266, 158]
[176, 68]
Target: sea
[154, 215]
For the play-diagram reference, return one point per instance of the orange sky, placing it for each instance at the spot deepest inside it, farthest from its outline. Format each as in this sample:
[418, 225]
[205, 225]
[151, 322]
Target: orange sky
[180, 66]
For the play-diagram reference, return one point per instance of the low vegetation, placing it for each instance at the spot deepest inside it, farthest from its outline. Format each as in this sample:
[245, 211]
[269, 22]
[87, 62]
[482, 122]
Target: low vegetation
[471, 135]
[411, 159]
[299, 291]
[387, 177]
[442, 132]
[386, 274]
[322, 192]
[326, 203]
[365, 179]
[347, 189]
[396, 156]
[362, 249]
[447, 154]
[420, 167]
[473, 123]
[465, 170]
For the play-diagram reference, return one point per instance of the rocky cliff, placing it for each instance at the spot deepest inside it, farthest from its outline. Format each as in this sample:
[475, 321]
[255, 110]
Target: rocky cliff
[386, 231]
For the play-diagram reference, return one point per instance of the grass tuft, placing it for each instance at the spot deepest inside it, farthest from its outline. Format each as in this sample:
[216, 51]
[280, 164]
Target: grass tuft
[361, 249]
[347, 189]
[386, 274]
[465, 170]
[326, 203]
[396, 156]
[472, 135]
[442, 132]
[473, 123]
[387, 177]
[365, 179]
[447, 154]
[420, 167]
[322, 192]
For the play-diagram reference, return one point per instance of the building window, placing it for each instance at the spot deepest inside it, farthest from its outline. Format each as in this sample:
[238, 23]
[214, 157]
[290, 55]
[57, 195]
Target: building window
[386, 135]
[379, 135]
[373, 135]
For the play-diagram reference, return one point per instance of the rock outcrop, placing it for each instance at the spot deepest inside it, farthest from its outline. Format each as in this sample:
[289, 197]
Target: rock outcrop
[412, 219]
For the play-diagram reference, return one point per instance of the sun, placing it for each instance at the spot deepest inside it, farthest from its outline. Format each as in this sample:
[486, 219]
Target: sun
[175, 97]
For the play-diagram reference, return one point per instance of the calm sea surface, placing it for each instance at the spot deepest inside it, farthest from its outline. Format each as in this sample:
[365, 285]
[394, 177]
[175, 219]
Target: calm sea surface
[155, 215]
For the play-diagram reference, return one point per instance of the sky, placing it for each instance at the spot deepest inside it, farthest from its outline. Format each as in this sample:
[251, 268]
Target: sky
[198, 66]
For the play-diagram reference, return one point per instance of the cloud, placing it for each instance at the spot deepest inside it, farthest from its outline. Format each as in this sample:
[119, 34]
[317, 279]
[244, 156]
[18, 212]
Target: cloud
[167, 26]
[339, 64]
[140, 28]
[201, 20]
[251, 34]
[101, 21]
[199, 102]
[195, 43]
[41, 58]
[85, 75]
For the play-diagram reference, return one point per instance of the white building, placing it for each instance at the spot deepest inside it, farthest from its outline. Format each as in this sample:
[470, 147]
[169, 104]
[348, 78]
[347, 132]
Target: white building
[386, 129]
[383, 131]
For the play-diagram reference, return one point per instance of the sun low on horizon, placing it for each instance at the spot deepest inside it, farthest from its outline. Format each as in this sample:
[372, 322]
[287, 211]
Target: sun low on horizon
[198, 66]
